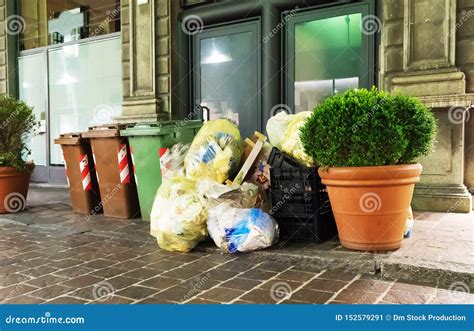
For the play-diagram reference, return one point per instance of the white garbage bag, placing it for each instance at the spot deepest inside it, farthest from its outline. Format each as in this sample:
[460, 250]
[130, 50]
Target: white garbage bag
[276, 126]
[241, 230]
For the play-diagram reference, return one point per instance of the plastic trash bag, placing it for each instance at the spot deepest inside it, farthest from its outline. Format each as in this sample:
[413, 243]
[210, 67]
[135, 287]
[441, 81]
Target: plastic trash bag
[246, 195]
[215, 152]
[241, 230]
[292, 144]
[276, 126]
[409, 224]
[172, 161]
[178, 216]
[211, 189]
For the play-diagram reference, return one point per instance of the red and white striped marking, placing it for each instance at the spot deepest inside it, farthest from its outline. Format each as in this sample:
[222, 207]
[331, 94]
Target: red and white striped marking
[85, 172]
[134, 166]
[161, 151]
[123, 164]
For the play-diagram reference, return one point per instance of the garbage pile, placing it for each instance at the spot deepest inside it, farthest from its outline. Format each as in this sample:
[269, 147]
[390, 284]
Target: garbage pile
[216, 187]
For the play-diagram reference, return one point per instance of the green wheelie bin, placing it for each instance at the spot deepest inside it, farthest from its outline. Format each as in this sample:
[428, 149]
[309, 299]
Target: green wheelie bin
[148, 142]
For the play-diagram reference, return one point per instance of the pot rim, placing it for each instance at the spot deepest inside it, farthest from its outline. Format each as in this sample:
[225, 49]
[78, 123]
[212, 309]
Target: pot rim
[12, 171]
[401, 172]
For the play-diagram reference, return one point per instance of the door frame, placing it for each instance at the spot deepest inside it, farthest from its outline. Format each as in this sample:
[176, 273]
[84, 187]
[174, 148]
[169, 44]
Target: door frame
[367, 44]
[235, 27]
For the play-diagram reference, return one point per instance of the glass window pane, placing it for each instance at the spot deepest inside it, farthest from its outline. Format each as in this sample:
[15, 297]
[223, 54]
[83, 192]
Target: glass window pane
[49, 22]
[33, 90]
[229, 80]
[328, 58]
[85, 82]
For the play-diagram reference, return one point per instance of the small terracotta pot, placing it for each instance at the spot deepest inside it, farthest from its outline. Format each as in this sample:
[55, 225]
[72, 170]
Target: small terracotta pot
[370, 204]
[13, 190]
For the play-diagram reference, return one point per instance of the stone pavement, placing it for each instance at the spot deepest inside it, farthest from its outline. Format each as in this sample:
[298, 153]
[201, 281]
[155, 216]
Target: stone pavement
[50, 255]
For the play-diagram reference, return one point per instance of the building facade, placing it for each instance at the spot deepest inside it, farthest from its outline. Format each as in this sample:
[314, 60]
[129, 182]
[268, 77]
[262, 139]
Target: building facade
[149, 60]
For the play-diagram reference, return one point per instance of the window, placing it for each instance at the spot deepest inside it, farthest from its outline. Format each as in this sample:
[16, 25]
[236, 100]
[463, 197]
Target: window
[49, 22]
[328, 53]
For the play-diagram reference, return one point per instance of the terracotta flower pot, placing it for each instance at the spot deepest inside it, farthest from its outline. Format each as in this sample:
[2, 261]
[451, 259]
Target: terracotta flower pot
[370, 204]
[13, 190]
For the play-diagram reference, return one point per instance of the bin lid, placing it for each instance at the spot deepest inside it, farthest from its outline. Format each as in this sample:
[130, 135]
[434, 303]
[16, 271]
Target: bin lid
[103, 131]
[71, 138]
[159, 128]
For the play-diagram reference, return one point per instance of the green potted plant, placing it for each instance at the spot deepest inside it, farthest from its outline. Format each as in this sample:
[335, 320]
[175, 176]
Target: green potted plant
[17, 122]
[367, 143]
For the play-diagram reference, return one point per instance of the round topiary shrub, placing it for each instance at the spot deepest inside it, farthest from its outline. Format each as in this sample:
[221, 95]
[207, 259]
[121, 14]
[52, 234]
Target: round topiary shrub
[368, 128]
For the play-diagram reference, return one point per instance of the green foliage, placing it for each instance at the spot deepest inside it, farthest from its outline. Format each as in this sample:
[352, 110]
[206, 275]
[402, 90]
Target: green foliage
[17, 122]
[368, 128]
[419, 127]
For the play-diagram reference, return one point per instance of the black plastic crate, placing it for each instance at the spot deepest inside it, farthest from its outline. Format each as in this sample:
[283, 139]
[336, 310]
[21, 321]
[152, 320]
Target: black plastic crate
[316, 229]
[300, 202]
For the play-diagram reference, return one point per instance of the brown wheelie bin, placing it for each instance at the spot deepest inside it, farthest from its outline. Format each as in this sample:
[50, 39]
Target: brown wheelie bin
[80, 171]
[114, 169]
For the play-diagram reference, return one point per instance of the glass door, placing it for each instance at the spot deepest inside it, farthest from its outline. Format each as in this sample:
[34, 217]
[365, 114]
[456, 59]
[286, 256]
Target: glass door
[328, 53]
[33, 89]
[226, 67]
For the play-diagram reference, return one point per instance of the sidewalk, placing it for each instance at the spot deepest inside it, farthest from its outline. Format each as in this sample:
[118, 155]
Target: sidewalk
[49, 254]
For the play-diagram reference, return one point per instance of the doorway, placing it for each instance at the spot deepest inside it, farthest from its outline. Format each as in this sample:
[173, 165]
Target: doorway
[226, 68]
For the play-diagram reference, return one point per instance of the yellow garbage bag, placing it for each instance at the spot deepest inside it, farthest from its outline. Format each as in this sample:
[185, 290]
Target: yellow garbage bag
[291, 142]
[215, 151]
[179, 215]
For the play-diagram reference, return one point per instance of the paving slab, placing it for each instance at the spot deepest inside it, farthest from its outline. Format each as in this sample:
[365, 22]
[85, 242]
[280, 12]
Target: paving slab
[46, 257]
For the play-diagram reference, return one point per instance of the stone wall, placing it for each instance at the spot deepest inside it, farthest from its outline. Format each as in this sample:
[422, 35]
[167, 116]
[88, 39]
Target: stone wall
[146, 56]
[465, 41]
[426, 51]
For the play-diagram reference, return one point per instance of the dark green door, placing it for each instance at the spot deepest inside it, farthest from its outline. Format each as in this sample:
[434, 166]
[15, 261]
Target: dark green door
[226, 68]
